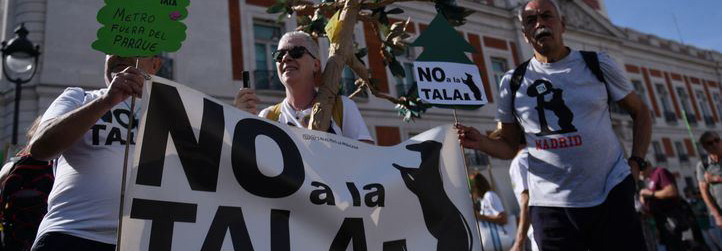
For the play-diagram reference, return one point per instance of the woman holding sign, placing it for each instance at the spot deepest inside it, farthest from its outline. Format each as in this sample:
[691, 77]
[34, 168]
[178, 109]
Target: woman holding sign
[298, 65]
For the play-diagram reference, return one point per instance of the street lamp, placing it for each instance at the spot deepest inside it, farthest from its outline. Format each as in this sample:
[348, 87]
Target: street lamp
[19, 59]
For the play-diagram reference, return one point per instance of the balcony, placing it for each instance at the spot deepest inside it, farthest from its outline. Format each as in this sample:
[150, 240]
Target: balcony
[709, 121]
[267, 80]
[660, 157]
[670, 117]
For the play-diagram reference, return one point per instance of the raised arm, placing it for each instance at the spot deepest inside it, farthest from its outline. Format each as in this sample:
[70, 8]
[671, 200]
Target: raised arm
[56, 135]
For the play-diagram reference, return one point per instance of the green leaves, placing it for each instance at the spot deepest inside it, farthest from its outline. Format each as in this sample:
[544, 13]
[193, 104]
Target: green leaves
[284, 7]
[333, 28]
[279, 7]
[454, 14]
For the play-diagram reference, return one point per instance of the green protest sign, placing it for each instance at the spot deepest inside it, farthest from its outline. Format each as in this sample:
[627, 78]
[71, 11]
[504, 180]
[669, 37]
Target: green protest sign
[141, 27]
[445, 76]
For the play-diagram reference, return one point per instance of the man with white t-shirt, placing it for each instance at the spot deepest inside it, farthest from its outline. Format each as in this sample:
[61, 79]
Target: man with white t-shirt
[298, 64]
[87, 131]
[581, 191]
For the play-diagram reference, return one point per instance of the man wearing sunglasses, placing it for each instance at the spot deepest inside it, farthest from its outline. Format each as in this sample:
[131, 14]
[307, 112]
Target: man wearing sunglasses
[709, 175]
[299, 68]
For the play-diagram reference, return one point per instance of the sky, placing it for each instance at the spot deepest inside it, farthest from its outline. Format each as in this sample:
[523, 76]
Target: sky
[700, 21]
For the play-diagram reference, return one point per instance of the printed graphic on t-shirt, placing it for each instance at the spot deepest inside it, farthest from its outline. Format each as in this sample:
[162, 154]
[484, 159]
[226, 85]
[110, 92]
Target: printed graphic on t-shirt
[112, 131]
[542, 88]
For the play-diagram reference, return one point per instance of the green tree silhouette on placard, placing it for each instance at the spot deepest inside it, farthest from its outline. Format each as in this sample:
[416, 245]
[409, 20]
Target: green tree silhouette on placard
[141, 27]
[442, 43]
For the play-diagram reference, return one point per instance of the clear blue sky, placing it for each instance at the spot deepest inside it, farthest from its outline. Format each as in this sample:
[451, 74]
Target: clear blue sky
[700, 21]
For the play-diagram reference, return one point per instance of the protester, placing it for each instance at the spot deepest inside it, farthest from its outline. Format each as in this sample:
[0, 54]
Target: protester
[87, 130]
[518, 173]
[672, 215]
[580, 186]
[24, 187]
[491, 209]
[298, 64]
[709, 178]
[491, 217]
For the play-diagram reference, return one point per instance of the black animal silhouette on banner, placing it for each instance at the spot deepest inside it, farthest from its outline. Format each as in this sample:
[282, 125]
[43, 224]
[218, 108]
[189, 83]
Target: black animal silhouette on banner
[539, 89]
[443, 220]
[470, 83]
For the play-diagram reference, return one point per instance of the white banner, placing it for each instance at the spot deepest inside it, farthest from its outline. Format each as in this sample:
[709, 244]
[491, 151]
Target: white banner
[207, 176]
[445, 83]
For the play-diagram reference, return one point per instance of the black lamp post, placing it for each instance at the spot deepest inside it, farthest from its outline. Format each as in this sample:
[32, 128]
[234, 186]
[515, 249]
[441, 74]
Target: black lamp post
[20, 60]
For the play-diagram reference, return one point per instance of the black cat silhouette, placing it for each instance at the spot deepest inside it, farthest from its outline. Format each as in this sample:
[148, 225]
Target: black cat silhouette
[470, 83]
[443, 220]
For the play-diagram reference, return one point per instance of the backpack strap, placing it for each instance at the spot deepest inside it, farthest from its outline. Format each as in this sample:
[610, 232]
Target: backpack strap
[592, 60]
[274, 113]
[516, 78]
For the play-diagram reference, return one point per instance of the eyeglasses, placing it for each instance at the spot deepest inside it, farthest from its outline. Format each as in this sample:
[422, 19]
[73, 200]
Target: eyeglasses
[712, 142]
[295, 52]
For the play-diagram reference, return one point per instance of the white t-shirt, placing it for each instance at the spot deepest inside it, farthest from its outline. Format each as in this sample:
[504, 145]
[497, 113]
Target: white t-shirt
[576, 159]
[518, 173]
[491, 204]
[354, 126]
[85, 197]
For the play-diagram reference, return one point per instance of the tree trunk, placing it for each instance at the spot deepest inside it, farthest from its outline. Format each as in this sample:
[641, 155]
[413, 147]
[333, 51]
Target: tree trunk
[340, 53]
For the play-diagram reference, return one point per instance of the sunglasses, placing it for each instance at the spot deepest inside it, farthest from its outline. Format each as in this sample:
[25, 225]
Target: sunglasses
[295, 52]
[712, 142]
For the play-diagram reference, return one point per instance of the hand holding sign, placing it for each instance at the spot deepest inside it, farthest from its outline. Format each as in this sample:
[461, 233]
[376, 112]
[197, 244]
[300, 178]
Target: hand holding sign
[141, 27]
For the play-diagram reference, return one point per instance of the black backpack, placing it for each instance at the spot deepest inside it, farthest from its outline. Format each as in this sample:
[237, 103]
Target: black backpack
[590, 58]
[24, 201]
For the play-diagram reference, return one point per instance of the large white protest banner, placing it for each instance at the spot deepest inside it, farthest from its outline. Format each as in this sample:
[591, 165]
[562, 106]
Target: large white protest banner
[207, 176]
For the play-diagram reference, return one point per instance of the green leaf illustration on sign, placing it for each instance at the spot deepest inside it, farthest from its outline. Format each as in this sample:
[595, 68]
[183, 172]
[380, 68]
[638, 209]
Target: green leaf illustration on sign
[141, 27]
[442, 42]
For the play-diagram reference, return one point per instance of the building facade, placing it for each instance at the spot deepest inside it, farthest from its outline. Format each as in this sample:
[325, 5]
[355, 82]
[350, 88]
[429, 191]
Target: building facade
[679, 83]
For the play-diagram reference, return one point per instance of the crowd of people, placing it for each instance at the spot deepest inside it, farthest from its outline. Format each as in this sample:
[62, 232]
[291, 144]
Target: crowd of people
[582, 194]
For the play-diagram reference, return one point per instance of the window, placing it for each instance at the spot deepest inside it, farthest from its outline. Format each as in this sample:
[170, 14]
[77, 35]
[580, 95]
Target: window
[403, 85]
[348, 83]
[266, 35]
[658, 153]
[639, 89]
[669, 115]
[499, 67]
[166, 68]
[702, 100]
[681, 153]
[684, 100]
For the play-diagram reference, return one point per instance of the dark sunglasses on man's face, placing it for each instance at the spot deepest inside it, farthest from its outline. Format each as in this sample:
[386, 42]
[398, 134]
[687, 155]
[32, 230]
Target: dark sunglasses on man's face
[295, 52]
[712, 142]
